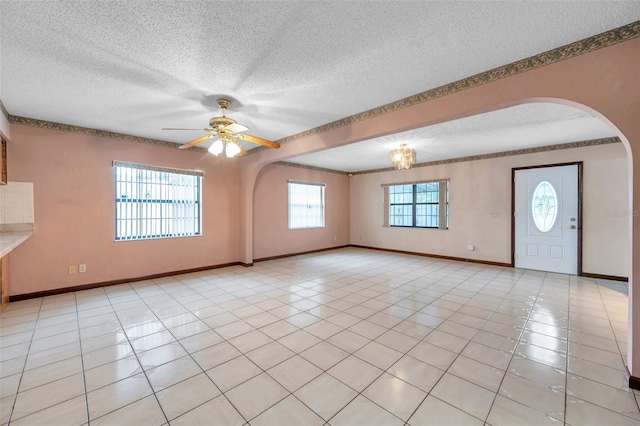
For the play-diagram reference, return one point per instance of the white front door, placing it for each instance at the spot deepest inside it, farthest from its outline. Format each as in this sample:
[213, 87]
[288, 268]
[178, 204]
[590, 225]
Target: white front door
[546, 219]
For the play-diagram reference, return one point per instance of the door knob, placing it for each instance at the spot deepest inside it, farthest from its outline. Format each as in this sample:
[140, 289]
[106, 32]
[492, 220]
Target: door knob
[573, 227]
[573, 219]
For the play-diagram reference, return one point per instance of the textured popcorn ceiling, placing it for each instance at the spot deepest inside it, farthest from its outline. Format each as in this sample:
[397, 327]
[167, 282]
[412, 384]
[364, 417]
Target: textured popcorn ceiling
[519, 127]
[137, 66]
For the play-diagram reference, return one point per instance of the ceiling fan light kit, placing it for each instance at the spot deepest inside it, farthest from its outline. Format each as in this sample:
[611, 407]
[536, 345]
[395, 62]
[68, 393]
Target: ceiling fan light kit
[403, 158]
[232, 149]
[216, 148]
[226, 133]
[225, 143]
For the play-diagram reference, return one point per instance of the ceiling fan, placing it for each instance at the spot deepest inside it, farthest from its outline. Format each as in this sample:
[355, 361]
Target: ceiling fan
[226, 133]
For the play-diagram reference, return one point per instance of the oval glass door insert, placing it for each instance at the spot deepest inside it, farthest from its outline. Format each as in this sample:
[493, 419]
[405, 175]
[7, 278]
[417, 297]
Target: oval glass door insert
[544, 206]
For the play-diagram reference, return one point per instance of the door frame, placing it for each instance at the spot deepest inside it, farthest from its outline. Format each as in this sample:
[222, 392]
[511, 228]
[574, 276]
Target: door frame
[513, 208]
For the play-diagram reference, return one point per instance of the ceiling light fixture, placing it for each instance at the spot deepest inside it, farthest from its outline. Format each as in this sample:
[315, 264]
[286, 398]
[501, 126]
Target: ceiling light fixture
[225, 143]
[403, 158]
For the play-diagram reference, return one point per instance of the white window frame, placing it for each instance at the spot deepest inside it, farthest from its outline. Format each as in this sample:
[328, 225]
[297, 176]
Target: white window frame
[443, 204]
[309, 221]
[154, 202]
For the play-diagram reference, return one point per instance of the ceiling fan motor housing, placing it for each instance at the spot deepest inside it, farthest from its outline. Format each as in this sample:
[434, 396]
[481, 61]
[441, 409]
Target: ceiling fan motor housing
[220, 122]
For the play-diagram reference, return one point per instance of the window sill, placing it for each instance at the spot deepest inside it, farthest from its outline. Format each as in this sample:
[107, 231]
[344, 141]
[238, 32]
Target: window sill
[415, 227]
[156, 238]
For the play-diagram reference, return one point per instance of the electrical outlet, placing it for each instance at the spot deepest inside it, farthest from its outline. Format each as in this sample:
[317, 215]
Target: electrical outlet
[72, 270]
[495, 214]
[82, 268]
[470, 247]
[335, 238]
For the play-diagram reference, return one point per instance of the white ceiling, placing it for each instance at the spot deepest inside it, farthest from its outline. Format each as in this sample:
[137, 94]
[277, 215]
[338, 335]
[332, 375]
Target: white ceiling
[135, 67]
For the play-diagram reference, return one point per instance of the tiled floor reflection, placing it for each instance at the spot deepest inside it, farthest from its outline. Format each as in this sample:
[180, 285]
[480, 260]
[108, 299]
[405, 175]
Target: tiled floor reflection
[344, 337]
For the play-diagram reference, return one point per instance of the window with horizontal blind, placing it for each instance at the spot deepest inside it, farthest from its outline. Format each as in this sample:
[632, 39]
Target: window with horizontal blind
[417, 205]
[306, 205]
[156, 202]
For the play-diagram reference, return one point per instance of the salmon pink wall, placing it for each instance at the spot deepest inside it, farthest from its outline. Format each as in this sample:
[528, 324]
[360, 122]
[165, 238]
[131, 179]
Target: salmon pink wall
[74, 211]
[272, 234]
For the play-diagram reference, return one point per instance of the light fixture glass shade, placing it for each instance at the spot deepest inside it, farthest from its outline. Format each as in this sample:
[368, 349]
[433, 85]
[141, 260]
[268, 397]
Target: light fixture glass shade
[232, 149]
[217, 147]
[403, 158]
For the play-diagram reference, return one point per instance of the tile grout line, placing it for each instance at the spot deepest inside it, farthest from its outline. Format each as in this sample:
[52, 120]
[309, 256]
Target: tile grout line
[188, 354]
[133, 289]
[419, 341]
[470, 340]
[566, 361]
[228, 342]
[139, 363]
[24, 367]
[29, 353]
[326, 340]
[517, 343]
[606, 309]
[84, 376]
[361, 393]
[454, 360]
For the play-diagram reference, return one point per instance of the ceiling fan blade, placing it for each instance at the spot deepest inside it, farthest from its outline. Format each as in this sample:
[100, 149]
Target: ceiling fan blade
[257, 140]
[179, 128]
[195, 141]
[242, 152]
[236, 128]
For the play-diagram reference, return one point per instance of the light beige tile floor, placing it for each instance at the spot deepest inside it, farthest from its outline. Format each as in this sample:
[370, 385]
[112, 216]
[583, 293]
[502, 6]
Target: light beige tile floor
[344, 337]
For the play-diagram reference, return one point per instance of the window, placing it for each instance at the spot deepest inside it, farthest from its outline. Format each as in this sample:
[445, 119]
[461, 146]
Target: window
[417, 205]
[544, 206]
[155, 202]
[306, 205]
